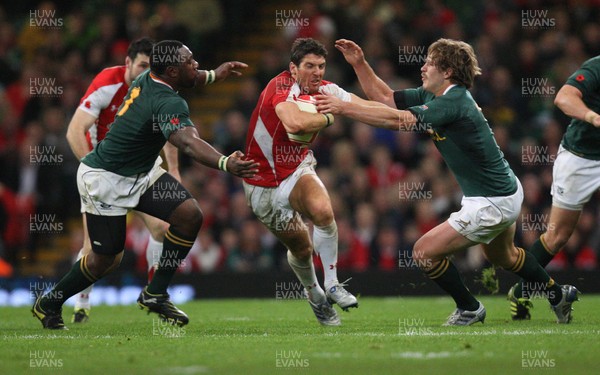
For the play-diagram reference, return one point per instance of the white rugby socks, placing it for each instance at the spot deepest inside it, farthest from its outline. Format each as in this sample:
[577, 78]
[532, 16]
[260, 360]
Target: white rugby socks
[325, 241]
[305, 272]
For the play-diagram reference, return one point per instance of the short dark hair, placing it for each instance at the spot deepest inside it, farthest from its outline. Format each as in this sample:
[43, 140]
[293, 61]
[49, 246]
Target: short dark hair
[142, 45]
[305, 46]
[164, 54]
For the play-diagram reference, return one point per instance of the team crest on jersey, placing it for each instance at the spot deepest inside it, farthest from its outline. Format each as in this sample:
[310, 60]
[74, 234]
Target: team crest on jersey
[580, 77]
[175, 121]
[424, 107]
[88, 104]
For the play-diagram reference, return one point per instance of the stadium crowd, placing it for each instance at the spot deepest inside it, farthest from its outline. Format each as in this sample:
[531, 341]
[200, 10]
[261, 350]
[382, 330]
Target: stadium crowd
[387, 188]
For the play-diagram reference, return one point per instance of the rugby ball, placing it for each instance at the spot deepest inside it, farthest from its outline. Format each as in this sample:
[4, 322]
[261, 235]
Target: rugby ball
[306, 103]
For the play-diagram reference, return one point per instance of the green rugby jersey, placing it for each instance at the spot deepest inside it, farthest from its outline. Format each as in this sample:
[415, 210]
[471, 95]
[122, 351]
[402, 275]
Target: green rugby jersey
[151, 111]
[581, 137]
[464, 138]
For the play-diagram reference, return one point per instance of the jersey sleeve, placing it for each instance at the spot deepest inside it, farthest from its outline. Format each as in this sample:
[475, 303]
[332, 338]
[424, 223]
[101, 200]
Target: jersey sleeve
[586, 78]
[333, 89]
[409, 97]
[98, 96]
[436, 112]
[173, 114]
[280, 90]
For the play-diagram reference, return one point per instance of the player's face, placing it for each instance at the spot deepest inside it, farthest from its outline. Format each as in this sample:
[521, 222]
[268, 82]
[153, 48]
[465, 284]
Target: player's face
[188, 70]
[434, 80]
[137, 65]
[309, 73]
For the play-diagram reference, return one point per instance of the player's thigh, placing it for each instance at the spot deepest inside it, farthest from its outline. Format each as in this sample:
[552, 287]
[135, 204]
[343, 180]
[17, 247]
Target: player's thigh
[87, 245]
[574, 180]
[163, 197]
[107, 233]
[309, 197]
[440, 242]
[156, 226]
[501, 250]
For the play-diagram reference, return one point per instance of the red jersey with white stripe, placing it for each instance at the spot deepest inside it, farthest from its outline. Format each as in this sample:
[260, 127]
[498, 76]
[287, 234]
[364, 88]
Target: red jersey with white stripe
[267, 141]
[102, 100]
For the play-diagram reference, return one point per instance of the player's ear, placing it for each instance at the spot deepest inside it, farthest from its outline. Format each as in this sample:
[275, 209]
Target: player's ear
[293, 68]
[128, 63]
[172, 71]
[448, 73]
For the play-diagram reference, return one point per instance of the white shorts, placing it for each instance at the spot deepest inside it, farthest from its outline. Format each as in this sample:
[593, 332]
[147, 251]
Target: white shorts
[481, 219]
[574, 180]
[271, 205]
[109, 194]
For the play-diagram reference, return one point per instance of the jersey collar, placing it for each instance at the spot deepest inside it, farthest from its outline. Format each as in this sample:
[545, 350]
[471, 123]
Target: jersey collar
[448, 88]
[158, 80]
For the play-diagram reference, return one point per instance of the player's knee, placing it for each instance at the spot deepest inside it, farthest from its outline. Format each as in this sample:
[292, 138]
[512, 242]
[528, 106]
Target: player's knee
[302, 253]
[158, 230]
[419, 251]
[100, 264]
[188, 218]
[322, 215]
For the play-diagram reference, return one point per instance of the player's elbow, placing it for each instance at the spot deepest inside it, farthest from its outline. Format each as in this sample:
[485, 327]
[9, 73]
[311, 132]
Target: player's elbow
[71, 136]
[560, 100]
[294, 127]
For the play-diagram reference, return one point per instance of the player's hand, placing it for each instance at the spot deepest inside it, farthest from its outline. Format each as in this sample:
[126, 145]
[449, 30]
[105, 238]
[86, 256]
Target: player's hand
[330, 104]
[352, 52]
[237, 166]
[229, 68]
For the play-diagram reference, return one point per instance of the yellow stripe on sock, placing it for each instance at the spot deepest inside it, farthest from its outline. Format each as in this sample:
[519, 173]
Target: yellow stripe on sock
[543, 241]
[435, 269]
[520, 261]
[440, 270]
[84, 269]
[178, 240]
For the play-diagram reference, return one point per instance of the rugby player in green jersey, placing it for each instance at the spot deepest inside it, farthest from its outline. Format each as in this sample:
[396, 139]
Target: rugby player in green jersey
[122, 174]
[575, 174]
[444, 108]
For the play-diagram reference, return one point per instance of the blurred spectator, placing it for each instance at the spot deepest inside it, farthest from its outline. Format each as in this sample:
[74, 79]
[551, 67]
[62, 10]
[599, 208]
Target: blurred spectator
[206, 255]
[387, 245]
[250, 255]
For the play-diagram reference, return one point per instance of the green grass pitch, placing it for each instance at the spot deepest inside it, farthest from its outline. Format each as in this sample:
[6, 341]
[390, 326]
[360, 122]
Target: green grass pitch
[248, 336]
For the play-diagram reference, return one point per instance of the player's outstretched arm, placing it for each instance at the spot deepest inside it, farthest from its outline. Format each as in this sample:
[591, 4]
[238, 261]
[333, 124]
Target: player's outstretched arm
[570, 100]
[79, 125]
[222, 72]
[296, 121]
[371, 84]
[373, 114]
[189, 142]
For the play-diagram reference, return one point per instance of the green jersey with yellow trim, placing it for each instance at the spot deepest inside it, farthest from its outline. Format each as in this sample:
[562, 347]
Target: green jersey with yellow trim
[581, 137]
[462, 135]
[151, 111]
